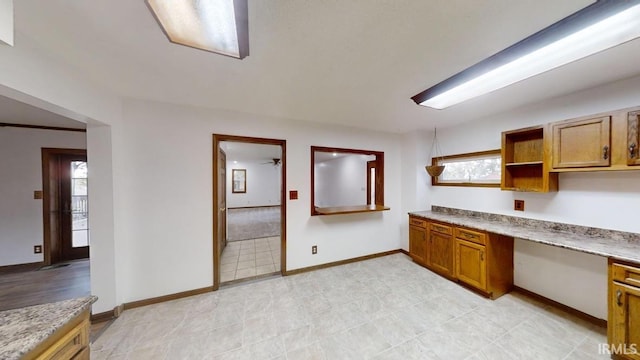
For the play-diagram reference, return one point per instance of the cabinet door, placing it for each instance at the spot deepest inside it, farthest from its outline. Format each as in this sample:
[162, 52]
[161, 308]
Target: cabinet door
[633, 139]
[583, 143]
[417, 244]
[471, 266]
[625, 319]
[440, 253]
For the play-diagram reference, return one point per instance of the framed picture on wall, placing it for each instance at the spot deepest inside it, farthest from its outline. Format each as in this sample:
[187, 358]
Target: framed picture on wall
[239, 180]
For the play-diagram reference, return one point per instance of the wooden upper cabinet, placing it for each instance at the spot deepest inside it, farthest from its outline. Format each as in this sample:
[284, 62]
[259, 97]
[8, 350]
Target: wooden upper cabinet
[525, 161]
[582, 143]
[633, 139]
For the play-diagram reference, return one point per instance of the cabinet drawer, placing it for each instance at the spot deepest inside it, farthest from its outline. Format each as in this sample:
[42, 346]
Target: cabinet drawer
[418, 222]
[69, 345]
[473, 236]
[626, 274]
[443, 229]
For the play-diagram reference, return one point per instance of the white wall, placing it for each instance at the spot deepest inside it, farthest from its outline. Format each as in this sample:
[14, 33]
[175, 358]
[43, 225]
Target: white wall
[598, 199]
[165, 210]
[32, 76]
[21, 174]
[263, 184]
[6, 22]
[342, 181]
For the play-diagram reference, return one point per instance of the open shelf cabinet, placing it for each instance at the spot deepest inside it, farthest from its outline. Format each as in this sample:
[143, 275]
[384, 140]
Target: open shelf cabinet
[525, 165]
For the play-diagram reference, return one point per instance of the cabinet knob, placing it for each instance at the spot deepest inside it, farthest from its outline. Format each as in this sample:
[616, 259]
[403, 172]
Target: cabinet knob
[482, 256]
[619, 297]
[632, 150]
[605, 152]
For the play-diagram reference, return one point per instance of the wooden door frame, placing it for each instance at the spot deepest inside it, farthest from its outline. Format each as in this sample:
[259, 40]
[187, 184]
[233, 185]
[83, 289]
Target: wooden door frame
[48, 234]
[217, 139]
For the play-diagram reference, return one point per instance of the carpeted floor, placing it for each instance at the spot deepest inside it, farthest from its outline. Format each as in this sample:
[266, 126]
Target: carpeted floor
[253, 223]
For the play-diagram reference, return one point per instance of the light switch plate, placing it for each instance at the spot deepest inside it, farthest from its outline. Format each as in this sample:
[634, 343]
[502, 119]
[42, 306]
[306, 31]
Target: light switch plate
[37, 194]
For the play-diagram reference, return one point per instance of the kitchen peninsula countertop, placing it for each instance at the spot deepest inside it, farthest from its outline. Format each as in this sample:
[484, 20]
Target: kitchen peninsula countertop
[22, 330]
[603, 242]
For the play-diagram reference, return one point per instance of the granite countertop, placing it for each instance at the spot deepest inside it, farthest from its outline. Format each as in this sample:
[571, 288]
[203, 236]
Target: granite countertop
[21, 330]
[603, 242]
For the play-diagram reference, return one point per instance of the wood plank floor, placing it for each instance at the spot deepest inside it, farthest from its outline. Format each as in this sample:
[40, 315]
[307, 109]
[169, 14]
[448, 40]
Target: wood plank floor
[26, 288]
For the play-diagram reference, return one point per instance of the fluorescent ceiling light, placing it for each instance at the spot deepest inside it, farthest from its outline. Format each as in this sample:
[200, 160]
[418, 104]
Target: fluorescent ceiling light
[595, 28]
[218, 26]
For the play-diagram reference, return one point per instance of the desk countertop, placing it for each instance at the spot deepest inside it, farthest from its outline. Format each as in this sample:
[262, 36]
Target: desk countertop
[603, 242]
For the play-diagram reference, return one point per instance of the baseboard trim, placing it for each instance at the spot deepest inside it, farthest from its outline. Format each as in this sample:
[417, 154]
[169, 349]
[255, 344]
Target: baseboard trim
[404, 252]
[341, 262]
[103, 316]
[253, 207]
[107, 315]
[139, 303]
[21, 267]
[584, 316]
[160, 299]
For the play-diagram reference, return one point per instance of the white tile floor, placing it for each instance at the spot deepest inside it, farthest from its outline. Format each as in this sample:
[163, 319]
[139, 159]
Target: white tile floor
[248, 258]
[384, 308]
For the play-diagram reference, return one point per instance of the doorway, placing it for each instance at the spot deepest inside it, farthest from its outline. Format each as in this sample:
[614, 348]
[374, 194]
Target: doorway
[232, 184]
[65, 205]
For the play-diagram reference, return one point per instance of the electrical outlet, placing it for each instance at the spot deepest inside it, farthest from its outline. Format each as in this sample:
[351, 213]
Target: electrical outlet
[518, 205]
[314, 249]
[37, 249]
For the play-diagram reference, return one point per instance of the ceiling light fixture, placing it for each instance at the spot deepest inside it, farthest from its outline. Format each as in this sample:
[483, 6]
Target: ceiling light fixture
[598, 27]
[219, 26]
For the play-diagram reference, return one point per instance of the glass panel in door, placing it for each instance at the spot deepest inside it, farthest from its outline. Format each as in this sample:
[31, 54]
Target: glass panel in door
[79, 204]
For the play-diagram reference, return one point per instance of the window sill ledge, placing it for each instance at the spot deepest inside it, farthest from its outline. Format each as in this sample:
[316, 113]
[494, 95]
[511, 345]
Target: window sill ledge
[337, 210]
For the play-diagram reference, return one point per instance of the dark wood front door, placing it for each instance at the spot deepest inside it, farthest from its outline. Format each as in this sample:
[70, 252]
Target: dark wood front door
[65, 185]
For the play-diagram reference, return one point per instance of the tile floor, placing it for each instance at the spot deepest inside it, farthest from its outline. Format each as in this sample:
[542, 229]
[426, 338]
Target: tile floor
[384, 308]
[248, 258]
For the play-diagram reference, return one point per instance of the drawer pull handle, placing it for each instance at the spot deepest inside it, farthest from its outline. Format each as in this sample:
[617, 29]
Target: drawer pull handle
[469, 236]
[605, 152]
[632, 151]
[619, 297]
[481, 255]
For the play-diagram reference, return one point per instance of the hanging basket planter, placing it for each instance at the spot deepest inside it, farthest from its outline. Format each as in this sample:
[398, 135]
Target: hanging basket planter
[434, 170]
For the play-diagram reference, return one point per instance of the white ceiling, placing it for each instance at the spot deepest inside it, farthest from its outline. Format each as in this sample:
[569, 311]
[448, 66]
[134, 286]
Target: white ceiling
[350, 62]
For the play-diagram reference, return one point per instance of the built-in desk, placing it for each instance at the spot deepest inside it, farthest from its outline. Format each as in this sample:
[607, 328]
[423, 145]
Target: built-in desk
[609, 243]
[621, 248]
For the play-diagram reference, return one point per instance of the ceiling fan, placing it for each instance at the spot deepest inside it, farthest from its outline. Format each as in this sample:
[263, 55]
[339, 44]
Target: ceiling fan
[274, 162]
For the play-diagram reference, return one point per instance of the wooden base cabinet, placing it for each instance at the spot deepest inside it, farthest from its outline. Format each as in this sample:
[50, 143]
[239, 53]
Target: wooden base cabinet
[440, 249]
[624, 310]
[471, 267]
[484, 261]
[418, 240]
[478, 259]
[69, 342]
